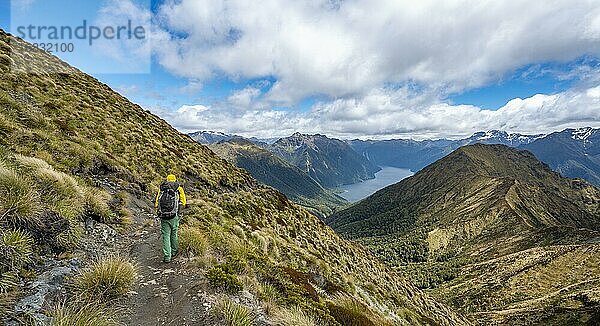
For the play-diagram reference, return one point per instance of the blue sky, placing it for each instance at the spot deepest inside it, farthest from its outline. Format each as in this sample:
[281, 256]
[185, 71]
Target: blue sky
[272, 69]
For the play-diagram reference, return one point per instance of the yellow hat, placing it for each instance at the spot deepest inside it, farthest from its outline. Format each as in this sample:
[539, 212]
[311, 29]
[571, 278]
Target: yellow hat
[171, 178]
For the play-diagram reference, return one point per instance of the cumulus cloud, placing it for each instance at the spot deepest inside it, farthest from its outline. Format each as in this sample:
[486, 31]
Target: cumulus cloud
[401, 113]
[348, 48]
[243, 99]
[129, 55]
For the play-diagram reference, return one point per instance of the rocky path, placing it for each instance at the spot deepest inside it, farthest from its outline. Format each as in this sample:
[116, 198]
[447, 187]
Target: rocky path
[165, 294]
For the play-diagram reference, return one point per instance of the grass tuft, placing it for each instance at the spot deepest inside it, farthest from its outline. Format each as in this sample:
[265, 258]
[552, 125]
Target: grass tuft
[20, 204]
[192, 240]
[106, 280]
[8, 282]
[235, 314]
[218, 278]
[96, 202]
[90, 314]
[348, 311]
[16, 248]
[69, 239]
[294, 316]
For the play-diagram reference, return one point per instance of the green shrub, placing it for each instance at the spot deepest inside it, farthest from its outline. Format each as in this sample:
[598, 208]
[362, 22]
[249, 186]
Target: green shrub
[235, 314]
[16, 248]
[76, 314]
[192, 240]
[106, 279]
[220, 279]
[20, 204]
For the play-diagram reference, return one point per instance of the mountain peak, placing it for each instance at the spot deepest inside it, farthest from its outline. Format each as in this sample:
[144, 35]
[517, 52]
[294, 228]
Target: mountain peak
[582, 134]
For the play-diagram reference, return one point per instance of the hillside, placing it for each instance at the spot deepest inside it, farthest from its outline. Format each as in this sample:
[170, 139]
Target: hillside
[476, 224]
[97, 160]
[331, 162]
[575, 153]
[277, 173]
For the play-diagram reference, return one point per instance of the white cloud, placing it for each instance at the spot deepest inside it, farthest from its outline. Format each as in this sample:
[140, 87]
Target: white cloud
[130, 55]
[318, 47]
[243, 99]
[401, 113]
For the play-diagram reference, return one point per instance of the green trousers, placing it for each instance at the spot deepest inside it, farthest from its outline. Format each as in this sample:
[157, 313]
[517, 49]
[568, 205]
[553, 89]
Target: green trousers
[168, 229]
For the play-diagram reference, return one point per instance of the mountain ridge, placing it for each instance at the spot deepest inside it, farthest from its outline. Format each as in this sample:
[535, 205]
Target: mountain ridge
[479, 205]
[273, 171]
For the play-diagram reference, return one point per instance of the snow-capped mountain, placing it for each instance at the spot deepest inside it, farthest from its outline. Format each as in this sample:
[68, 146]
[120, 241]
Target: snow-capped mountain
[209, 137]
[574, 153]
[213, 137]
[500, 137]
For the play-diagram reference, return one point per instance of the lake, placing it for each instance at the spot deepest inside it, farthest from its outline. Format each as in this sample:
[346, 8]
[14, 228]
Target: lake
[387, 176]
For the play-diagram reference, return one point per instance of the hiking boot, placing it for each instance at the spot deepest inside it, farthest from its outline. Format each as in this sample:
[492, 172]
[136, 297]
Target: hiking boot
[166, 261]
[174, 254]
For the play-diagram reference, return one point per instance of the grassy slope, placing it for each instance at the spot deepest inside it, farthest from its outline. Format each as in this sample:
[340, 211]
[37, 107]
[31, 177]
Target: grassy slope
[277, 173]
[82, 128]
[463, 217]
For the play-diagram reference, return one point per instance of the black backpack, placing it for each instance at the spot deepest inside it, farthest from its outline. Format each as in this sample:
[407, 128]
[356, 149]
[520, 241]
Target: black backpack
[168, 201]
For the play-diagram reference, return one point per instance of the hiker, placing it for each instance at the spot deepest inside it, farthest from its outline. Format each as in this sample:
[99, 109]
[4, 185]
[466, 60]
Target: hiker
[169, 196]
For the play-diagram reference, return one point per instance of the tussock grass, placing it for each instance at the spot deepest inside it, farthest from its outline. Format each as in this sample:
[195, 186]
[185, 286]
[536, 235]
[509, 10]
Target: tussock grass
[69, 239]
[16, 248]
[105, 280]
[348, 311]
[192, 240]
[235, 314]
[237, 230]
[96, 201]
[31, 163]
[220, 279]
[294, 316]
[261, 242]
[20, 204]
[7, 301]
[62, 193]
[8, 282]
[90, 314]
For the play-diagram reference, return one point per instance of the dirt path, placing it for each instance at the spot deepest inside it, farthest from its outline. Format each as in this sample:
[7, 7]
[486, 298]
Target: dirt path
[165, 294]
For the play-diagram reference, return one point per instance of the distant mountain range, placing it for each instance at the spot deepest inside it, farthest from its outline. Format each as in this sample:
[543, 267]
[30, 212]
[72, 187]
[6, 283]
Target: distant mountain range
[575, 153]
[487, 227]
[415, 155]
[331, 162]
[279, 174]
[213, 137]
